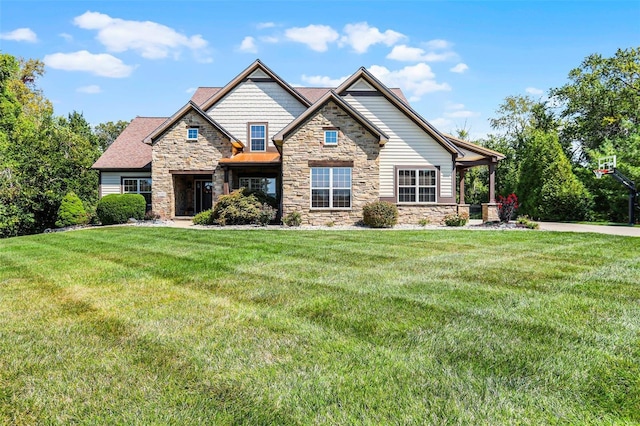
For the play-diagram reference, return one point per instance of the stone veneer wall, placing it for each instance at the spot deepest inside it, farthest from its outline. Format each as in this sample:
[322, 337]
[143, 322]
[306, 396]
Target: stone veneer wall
[355, 144]
[412, 214]
[172, 151]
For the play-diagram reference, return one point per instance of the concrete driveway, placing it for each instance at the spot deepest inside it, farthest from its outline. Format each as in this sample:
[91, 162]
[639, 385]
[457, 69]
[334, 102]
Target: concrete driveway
[627, 231]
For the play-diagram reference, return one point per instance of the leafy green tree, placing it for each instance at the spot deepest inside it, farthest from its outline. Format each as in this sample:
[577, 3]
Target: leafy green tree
[107, 132]
[602, 101]
[547, 187]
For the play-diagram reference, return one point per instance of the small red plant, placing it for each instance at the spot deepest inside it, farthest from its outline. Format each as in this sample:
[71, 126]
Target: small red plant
[507, 206]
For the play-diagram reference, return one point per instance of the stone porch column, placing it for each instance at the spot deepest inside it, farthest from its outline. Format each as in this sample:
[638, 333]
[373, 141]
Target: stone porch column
[490, 209]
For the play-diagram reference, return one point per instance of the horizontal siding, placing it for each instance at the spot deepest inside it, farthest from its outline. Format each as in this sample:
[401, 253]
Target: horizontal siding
[112, 181]
[256, 102]
[408, 144]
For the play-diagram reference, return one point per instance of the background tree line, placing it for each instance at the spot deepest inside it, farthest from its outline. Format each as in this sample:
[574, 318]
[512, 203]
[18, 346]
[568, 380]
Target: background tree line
[42, 156]
[553, 144]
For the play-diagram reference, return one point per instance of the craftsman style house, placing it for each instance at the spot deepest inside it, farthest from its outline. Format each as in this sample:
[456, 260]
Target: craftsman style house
[323, 152]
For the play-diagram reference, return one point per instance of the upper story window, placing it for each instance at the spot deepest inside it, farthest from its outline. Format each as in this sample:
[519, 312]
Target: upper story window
[258, 137]
[417, 186]
[192, 133]
[331, 137]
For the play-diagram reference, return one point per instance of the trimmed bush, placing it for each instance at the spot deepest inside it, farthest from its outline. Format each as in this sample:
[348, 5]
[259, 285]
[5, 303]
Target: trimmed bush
[380, 214]
[292, 219]
[507, 206]
[71, 211]
[119, 208]
[204, 218]
[456, 219]
[238, 208]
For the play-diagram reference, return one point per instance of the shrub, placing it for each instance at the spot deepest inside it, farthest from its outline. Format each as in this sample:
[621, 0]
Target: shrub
[380, 214]
[507, 206]
[292, 219]
[526, 222]
[238, 208]
[424, 222]
[119, 208]
[203, 218]
[151, 215]
[71, 211]
[455, 219]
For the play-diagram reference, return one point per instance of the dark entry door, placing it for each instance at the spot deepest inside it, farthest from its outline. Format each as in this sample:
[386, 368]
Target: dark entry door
[204, 195]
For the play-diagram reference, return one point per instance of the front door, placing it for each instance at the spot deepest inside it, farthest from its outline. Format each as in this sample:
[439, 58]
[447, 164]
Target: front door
[203, 195]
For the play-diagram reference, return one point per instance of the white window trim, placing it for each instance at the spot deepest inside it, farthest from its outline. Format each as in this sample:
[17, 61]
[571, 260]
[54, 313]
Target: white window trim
[325, 138]
[197, 133]
[417, 185]
[137, 179]
[330, 188]
[266, 141]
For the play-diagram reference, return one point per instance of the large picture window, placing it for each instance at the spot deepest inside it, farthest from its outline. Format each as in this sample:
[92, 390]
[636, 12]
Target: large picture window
[331, 187]
[266, 185]
[140, 186]
[417, 186]
[258, 137]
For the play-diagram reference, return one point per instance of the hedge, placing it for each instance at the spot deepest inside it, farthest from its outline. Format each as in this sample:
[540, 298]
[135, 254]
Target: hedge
[119, 208]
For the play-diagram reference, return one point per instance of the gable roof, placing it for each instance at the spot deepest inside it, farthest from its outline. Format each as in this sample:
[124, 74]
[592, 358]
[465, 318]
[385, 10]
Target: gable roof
[329, 96]
[474, 153]
[129, 151]
[191, 106]
[404, 107]
[257, 65]
[312, 94]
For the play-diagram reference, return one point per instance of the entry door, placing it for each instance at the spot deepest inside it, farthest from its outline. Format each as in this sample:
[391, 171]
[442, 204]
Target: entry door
[204, 195]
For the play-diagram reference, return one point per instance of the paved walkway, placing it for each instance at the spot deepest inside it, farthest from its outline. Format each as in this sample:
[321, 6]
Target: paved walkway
[627, 231]
[545, 226]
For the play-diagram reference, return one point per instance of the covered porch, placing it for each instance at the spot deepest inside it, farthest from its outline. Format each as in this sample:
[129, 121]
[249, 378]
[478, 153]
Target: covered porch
[477, 156]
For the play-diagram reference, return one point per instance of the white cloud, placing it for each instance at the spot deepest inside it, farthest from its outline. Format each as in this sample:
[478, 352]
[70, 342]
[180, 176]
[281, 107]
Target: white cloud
[91, 89]
[269, 39]
[67, 37]
[454, 106]
[406, 53]
[438, 44]
[416, 80]
[361, 36]
[20, 34]
[534, 91]
[150, 39]
[263, 25]
[323, 81]
[248, 45]
[316, 37]
[102, 64]
[461, 114]
[441, 122]
[190, 90]
[460, 68]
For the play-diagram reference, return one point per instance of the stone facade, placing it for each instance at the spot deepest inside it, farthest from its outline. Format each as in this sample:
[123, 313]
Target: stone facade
[172, 151]
[306, 144]
[412, 214]
[490, 212]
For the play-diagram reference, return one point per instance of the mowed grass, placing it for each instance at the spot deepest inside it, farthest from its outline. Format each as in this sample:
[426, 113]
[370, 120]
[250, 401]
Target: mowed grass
[133, 325]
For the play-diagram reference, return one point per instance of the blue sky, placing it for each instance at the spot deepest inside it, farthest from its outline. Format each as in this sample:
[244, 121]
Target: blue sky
[456, 61]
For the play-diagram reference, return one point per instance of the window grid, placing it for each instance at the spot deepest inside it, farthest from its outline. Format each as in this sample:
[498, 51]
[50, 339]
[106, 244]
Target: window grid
[331, 187]
[140, 186]
[258, 137]
[266, 185]
[192, 133]
[417, 186]
[331, 137]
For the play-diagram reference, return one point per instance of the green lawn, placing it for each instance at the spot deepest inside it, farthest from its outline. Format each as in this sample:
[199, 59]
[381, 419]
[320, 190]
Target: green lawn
[134, 325]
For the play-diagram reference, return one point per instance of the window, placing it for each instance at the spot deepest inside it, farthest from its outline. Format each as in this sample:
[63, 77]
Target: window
[192, 133]
[257, 137]
[140, 186]
[266, 185]
[331, 137]
[417, 186]
[331, 187]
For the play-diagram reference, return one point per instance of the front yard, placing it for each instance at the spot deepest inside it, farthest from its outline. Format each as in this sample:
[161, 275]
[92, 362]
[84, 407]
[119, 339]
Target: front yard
[137, 325]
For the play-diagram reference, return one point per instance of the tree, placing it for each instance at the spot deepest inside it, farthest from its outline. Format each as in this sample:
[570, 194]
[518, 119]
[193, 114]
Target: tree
[107, 132]
[547, 187]
[602, 101]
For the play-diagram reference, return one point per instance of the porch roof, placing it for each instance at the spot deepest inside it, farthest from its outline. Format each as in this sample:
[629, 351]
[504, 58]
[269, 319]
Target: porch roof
[252, 158]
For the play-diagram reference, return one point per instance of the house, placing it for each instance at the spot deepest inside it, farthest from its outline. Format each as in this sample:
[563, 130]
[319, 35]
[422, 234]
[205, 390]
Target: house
[323, 152]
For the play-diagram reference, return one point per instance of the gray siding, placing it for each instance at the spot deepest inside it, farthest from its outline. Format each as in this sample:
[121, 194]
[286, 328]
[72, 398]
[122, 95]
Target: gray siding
[408, 144]
[256, 102]
[112, 181]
